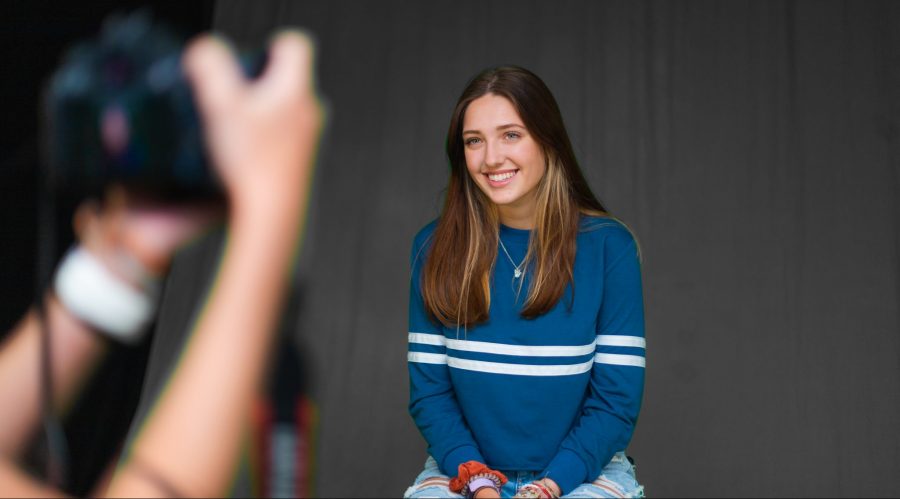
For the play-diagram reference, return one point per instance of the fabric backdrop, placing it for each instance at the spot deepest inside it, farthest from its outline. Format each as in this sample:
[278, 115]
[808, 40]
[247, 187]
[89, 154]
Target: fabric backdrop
[754, 147]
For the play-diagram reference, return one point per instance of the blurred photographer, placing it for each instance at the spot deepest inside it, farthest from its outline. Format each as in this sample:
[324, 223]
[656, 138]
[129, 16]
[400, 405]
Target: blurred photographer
[261, 138]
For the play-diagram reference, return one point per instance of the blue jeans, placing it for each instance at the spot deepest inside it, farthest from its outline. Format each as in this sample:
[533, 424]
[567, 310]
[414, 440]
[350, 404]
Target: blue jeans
[616, 480]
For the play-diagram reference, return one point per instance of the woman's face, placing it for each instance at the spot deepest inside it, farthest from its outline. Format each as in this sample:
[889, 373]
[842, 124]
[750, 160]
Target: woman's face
[503, 158]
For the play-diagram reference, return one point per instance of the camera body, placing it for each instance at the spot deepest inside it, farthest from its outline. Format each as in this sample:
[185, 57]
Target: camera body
[120, 110]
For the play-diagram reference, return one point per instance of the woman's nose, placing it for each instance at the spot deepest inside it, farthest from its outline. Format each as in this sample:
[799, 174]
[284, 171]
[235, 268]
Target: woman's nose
[493, 155]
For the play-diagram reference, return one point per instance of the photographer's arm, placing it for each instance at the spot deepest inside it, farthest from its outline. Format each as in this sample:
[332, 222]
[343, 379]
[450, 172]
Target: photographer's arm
[76, 348]
[147, 233]
[262, 137]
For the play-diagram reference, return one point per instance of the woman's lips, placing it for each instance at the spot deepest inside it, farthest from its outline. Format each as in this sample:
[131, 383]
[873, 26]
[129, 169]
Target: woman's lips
[500, 178]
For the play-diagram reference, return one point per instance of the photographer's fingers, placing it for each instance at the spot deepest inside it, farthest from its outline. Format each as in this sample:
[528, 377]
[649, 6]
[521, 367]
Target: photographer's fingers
[214, 73]
[290, 66]
[129, 229]
[97, 226]
[260, 133]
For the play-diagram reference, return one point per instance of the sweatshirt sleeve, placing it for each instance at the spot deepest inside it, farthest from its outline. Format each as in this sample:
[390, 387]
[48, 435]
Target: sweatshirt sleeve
[613, 401]
[432, 401]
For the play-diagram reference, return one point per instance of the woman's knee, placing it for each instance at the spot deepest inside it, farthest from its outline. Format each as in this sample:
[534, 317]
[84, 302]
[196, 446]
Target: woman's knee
[431, 487]
[431, 483]
[617, 479]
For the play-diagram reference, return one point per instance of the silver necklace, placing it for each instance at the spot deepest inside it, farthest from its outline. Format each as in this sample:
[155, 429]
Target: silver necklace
[517, 271]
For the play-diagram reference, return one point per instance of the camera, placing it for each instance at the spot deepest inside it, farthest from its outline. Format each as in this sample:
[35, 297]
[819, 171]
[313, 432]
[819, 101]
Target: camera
[119, 109]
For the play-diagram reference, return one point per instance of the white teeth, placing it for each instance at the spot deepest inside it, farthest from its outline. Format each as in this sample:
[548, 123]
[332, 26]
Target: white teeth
[501, 176]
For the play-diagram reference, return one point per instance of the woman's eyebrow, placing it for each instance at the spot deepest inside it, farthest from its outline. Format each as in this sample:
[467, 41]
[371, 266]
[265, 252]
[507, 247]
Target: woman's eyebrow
[501, 127]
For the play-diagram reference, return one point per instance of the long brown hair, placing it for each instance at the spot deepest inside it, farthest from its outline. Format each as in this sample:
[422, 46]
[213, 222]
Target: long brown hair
[456, 276]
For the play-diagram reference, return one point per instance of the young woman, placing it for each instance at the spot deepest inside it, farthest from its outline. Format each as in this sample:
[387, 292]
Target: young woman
[526, 328]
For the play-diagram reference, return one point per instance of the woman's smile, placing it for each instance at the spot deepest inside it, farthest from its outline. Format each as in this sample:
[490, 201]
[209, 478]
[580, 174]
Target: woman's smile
[500, 178]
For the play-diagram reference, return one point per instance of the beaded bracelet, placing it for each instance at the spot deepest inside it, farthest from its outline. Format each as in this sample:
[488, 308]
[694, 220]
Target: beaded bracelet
[489, 475]
[545, 491]
[529, 491]
[536, 490]
[551, 491]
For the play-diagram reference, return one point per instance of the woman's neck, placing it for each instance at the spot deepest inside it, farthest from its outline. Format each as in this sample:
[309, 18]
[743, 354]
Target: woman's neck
[519, 214]
[517, 219]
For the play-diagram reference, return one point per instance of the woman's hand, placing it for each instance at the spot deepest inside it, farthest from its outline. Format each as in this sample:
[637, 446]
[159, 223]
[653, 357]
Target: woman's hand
[543, 488]
[487, 493]
[551, 486]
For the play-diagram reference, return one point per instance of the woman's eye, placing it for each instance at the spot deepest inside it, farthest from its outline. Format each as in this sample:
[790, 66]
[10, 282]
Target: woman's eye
[472, 141]
[513, 135]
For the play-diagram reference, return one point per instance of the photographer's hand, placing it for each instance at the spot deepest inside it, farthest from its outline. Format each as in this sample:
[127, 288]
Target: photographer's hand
[132, 233]
[262, 137]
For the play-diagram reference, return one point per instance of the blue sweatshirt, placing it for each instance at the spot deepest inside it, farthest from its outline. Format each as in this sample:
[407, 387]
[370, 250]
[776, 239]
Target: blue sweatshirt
[558, 394]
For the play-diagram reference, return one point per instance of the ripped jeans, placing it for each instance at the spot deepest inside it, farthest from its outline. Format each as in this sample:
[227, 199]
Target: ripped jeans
[617, 479]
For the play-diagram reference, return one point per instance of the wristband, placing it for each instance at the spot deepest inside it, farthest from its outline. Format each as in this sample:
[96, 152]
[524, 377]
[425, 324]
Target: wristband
[479, 483]
[91, 292]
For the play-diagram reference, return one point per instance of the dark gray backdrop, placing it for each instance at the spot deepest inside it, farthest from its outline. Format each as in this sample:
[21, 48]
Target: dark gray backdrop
[752, 146]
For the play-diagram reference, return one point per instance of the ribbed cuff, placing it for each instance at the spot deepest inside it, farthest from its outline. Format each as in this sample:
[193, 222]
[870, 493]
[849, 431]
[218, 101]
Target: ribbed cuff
[459, 455]
[567, 470]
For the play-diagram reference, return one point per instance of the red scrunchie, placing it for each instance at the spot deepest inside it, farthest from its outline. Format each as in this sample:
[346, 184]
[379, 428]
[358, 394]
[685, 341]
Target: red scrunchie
[468, 470]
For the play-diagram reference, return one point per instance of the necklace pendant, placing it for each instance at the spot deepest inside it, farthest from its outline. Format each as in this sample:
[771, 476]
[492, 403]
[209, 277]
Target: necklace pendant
[517, 272]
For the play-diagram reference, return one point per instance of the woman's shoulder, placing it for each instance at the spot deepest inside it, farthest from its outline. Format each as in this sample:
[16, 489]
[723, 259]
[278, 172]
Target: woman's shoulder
[609, 231]
[424, 234]
[421, 241]
[605, 226]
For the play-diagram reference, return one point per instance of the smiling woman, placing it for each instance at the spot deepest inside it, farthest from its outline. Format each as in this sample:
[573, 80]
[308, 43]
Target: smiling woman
[503, 158]
[521, 386]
